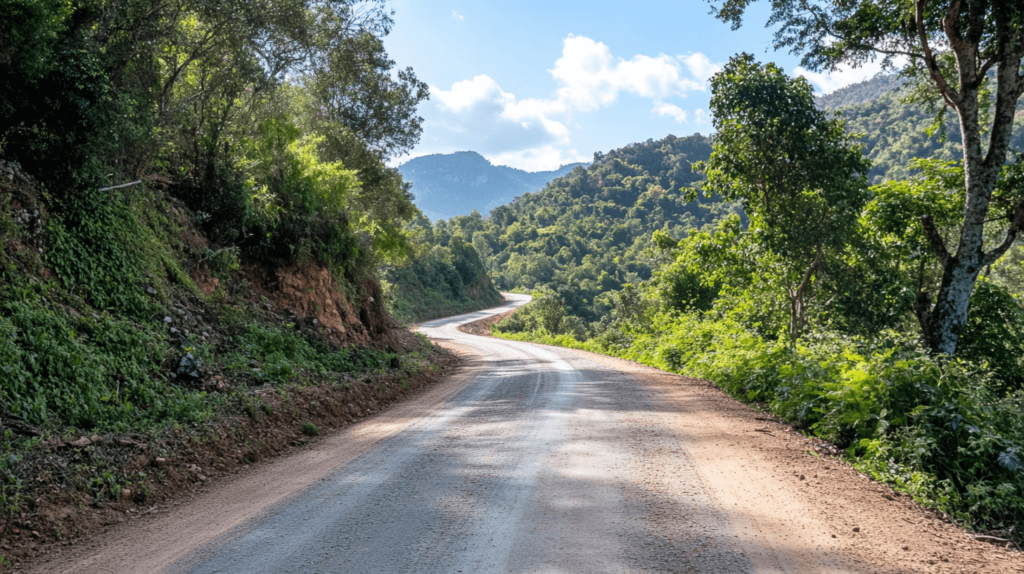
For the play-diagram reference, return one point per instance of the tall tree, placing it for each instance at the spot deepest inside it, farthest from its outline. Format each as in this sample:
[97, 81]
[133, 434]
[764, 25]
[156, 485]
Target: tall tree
[951, 46]
[800, 176]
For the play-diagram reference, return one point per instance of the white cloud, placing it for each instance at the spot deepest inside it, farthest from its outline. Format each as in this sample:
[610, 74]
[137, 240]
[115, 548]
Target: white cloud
[478, 115]
[545, 158]
[468, 93]
[673, 111]
[701, 117]
[590, 77]
[457, 16]
[700, 66]
[532, 133]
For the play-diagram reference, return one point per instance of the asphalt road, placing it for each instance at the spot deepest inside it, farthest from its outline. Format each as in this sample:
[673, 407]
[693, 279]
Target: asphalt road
[532, 458]
[526, 469]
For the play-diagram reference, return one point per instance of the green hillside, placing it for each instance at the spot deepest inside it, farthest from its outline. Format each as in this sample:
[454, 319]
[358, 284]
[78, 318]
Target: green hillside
[589, 232]
[896, 132]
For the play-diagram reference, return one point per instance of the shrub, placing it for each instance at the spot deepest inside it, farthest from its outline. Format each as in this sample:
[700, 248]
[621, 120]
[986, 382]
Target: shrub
[87, 372]
[935, 429]
[995, 335]
[95, 243]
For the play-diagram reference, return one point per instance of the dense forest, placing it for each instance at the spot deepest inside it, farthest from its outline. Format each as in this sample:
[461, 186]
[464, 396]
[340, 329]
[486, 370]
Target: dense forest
[894, 128]
[590, 232]
[437, 280]
[195, 205]
[817, 308]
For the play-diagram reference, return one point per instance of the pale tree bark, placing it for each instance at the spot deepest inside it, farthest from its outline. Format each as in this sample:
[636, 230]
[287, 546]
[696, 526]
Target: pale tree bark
[964, 27]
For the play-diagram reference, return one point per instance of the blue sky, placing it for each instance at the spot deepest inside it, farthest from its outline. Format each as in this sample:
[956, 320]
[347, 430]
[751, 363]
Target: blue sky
[535, 85]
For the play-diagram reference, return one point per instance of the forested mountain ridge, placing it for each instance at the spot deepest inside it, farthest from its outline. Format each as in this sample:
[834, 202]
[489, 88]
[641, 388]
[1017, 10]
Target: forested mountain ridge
[896, 132]
[861, 92]
[446, 185]
[590, 231]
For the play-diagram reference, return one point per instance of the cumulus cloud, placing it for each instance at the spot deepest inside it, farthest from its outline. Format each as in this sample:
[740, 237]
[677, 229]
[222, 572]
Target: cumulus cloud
[670, 110]
[701, 117]
[700, 66]
[477, 114]
[529, 133]
[543, 158]
[590, 77]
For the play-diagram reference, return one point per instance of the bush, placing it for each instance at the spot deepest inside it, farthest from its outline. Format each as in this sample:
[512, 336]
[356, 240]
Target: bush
[86, 372]
[283, 355]
[931, 428]
[95, 243]
[995, 335]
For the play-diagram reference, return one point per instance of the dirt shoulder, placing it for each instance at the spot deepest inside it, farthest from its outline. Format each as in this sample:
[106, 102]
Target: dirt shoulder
[482, 328]
[208, 464]
[782, 490]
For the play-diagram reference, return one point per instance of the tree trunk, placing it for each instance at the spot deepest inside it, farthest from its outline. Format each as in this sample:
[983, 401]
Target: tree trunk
[947, 318]
[797, 305]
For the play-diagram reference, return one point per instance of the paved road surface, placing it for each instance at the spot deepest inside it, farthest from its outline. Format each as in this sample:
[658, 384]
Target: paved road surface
[544, 460]
[526, 469]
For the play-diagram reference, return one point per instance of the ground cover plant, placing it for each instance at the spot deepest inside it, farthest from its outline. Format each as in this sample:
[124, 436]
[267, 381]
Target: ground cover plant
[121, 342]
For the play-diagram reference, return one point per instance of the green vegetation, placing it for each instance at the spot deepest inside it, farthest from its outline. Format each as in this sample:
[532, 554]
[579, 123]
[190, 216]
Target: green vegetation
[817, 309]
[589, 232]
[895, 132]
[446, 277]
[156, 161]
[310, 429]
[278, 146]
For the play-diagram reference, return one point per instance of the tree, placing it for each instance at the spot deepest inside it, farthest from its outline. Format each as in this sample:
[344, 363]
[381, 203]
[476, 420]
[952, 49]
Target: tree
[800, 177]
[951, 46]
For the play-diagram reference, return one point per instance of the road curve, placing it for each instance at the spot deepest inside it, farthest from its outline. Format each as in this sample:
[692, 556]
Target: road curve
[544, 460]
[526, 469]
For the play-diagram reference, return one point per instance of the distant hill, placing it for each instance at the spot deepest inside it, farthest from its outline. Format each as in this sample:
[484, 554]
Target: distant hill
[861, 92]
[446, 185]
[895, 132]
[590, 230]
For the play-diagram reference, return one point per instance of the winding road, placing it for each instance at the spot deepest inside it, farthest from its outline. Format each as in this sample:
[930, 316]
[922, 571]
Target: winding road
[541, 459]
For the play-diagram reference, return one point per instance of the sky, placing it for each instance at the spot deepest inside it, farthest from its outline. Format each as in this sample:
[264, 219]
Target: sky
[538, 84]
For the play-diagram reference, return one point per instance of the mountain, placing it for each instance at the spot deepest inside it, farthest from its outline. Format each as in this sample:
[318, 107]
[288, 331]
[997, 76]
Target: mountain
[590, 231]
[446, 185]
[895, 132]
[861, 92]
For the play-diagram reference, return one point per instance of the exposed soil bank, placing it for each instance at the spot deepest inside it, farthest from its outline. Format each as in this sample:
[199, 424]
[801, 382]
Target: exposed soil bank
[482, 328]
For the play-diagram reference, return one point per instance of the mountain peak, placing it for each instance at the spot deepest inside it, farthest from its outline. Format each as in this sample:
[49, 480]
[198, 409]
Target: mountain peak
[446, 185]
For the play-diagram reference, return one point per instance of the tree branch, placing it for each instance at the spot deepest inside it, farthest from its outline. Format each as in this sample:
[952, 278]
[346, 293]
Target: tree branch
[935, 239]
[1011, 236]
[809, 273]
[950, 95]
